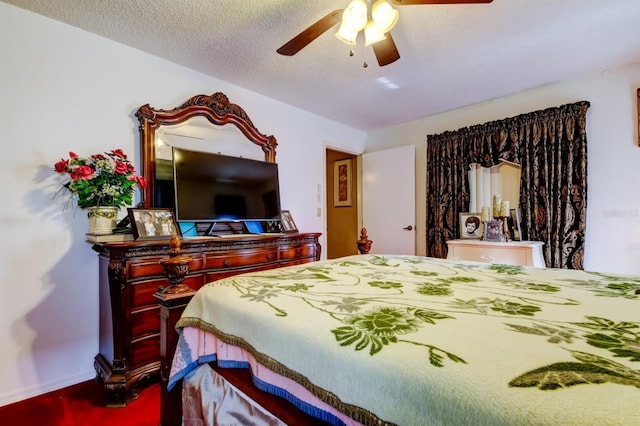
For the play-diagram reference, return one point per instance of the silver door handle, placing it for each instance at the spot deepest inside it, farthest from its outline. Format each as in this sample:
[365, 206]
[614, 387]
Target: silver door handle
[408, 228]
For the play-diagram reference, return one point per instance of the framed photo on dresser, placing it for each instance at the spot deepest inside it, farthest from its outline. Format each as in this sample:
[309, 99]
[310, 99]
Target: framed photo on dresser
[493, 231]
[288, 225]
[153, 223]
[514, 224]
[470, 226]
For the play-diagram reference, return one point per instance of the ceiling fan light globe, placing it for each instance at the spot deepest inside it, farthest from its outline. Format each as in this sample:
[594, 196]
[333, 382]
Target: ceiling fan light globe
[384, 15]
[346, 34]
[355, 15]
[372, 33]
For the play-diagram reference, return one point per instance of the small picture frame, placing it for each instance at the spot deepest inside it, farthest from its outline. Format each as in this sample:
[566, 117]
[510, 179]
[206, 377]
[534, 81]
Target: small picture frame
[153, 223]
[288, 225]
[342, 183]
[514, 224]
[470, 226]
[493, 230]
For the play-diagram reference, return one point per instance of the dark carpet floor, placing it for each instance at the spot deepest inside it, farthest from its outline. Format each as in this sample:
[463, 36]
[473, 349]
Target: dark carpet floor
[83, 405]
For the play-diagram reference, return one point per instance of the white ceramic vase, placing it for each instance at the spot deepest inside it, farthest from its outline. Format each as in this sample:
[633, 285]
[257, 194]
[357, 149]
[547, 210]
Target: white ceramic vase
[102, 220]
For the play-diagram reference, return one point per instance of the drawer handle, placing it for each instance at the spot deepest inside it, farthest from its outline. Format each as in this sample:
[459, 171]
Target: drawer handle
[487, 258]
[269, 257]
[225, 263]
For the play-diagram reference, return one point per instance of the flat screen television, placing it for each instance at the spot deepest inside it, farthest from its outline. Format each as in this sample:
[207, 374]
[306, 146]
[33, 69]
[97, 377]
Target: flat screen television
[215, 187]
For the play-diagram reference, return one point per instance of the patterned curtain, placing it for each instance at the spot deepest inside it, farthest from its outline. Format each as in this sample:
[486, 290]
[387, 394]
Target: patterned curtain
[551, 148]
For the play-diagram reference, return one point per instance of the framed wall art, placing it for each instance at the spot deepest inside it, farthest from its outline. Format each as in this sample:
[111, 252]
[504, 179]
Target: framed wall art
[342, 183]
[153, 223]
[288, 225]
[470, 226]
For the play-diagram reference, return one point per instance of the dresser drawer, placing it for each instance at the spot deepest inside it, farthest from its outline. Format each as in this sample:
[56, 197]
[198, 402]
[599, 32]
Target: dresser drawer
[297, 261]
[490, 255]
[145, 321]
[144, 351]
[522, 253]
[151, 267]
[297, 252]
[241, 258]
[142, 291]
[218, 275]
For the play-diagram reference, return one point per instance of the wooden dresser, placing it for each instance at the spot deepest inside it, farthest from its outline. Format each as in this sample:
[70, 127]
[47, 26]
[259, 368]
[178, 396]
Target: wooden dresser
[130, 273]
[523, 253]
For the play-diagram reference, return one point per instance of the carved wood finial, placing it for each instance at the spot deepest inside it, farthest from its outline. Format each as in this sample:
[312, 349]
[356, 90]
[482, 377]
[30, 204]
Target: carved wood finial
[364, 243]
[175, 246]
[175, 268]
[363, 234]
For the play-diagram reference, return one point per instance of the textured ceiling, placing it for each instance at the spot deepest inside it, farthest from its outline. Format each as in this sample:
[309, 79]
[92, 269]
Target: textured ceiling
[451, 55]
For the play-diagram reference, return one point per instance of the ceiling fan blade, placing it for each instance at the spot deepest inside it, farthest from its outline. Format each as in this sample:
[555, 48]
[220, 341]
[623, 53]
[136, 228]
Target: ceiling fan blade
[318, 28]
[386, 51]
[409, 2]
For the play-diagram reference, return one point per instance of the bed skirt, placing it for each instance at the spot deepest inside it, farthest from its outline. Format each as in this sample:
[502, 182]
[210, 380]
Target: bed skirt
[208, 399]
[197, 348]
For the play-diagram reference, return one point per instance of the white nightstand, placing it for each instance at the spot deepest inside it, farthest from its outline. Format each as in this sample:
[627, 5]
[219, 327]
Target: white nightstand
[523, 253]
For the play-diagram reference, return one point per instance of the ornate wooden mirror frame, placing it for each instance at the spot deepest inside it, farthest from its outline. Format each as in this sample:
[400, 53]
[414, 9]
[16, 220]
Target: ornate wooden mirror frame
[215, 108]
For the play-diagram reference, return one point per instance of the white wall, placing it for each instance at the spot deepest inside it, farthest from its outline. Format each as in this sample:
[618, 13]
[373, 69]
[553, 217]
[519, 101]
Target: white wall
[613, 192]
[63, 89]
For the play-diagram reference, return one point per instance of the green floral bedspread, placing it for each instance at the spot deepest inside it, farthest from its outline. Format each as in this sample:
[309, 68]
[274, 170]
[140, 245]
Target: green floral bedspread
[417, 340]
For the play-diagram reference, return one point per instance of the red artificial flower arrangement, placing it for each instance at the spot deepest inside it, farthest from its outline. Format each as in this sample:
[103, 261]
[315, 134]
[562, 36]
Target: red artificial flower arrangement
[107, 179]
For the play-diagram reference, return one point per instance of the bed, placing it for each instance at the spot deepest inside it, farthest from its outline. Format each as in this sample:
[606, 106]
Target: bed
[410, 340]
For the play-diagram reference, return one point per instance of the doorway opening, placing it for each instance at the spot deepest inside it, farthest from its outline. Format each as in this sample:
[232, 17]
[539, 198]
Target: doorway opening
[341, 197]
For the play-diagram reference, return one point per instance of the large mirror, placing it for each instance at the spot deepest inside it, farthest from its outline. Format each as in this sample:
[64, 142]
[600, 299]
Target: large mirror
[202, 123]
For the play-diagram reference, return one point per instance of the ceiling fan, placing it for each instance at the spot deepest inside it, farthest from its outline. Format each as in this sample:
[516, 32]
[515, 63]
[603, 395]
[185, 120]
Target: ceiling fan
[375, 21]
